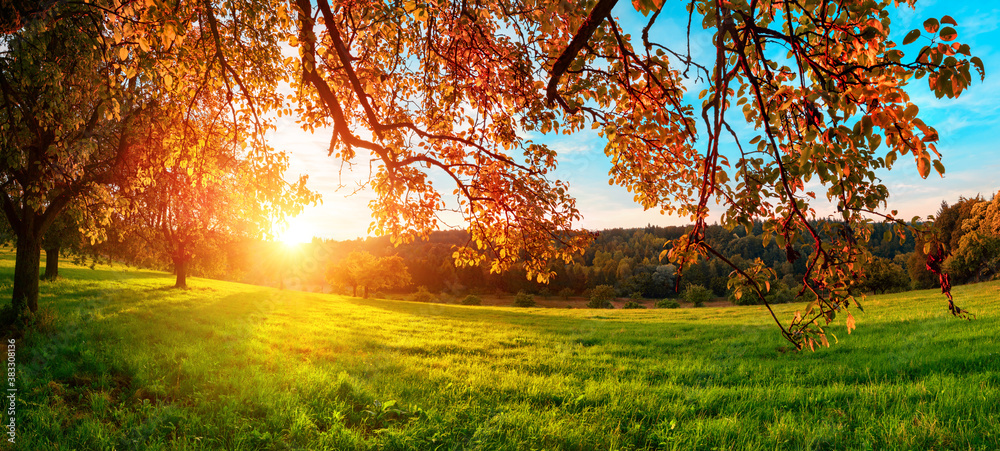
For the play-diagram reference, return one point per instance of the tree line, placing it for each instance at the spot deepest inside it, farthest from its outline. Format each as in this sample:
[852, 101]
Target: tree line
[626, 259]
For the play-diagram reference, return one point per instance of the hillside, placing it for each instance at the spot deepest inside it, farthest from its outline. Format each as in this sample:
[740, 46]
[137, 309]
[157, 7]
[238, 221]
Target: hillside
[124, 362]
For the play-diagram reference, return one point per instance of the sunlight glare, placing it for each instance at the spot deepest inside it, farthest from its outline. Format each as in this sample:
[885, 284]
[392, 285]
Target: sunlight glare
[296, 231]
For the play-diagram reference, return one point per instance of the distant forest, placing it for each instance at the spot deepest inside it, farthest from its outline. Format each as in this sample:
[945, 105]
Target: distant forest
[626, 259]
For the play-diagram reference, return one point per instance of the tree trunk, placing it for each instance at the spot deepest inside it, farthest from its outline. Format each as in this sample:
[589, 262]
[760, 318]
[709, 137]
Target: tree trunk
[180, 268]
[355, 291]
[26, 269]
[365, 293]
[51, 264]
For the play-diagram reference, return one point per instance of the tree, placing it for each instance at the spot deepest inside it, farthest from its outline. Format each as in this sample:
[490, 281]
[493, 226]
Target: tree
[697, 295]
[63, 236]
[977, 253]
[885, 276]
[601, 296]
[823, 84]
[207, 177]
[63, 127]
[365, 271]
[78, 81]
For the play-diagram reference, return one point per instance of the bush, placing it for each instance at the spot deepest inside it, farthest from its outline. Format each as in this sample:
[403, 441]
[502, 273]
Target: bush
[781, 295]
[668, 303]
[565, 293]
[697, 294]
[522, 299]
[422, 295]
[601, 296]
[635, 296]
[633, 305]
[472, 300]
[748, 297]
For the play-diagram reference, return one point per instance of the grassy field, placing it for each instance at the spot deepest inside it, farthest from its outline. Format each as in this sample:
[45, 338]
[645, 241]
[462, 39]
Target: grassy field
[123, 362]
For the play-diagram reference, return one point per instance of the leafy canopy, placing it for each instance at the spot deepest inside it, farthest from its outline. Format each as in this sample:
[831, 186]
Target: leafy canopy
[457, 87]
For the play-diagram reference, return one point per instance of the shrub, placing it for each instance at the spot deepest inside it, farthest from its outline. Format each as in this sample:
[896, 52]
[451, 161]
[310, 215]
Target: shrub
[748, 297]
[422, 295]
[697, 294]
[635, 296]
[522, 299]
[565, 293]
[545, 293]
[668, 303]
[472, 300]
[601, 296]
[633, 305]
[781, 295]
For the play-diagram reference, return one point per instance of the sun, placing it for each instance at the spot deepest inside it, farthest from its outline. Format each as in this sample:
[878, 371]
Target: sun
[296, 231]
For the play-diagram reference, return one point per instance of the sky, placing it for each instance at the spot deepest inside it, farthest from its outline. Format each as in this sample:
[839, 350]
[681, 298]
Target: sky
[968, 129]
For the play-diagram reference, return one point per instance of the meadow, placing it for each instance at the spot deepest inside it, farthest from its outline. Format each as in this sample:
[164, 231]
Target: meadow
[121, 361]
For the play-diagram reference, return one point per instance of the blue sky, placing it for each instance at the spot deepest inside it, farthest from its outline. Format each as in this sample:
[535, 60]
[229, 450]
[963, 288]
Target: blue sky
[969, 128]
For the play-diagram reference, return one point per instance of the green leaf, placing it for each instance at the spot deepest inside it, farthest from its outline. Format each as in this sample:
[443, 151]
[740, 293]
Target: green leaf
[911, 36]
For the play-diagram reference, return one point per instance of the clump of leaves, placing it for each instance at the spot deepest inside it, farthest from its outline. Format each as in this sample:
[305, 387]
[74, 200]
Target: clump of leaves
[668, 303]
[566, 293]
[601, 296]
[422, 295]
[633, 305]
[522, 299]
[697, 295]
[472, 300]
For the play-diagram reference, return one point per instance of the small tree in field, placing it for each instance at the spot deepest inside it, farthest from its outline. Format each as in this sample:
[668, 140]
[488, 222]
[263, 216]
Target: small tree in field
[601, 296]
[522, 299]
[367, 272]
[697, 294]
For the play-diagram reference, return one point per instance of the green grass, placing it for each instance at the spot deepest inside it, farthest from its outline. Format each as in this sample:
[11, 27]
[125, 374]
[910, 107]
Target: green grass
[126, 363]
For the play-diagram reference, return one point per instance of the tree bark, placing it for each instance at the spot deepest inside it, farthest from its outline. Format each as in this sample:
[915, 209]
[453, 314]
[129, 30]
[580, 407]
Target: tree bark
[180, 268]
[51, 263]
[26, 269]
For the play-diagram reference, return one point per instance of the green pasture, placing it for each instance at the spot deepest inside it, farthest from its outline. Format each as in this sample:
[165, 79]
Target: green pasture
[120, 361]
